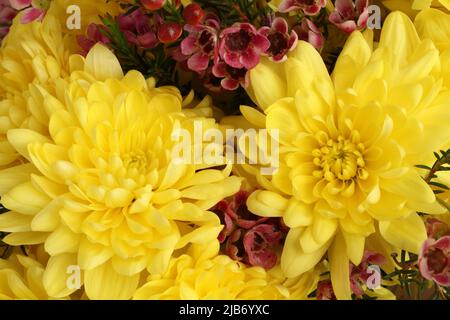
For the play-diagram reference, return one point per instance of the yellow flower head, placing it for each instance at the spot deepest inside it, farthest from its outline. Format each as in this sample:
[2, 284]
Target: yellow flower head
[348, 147]
[205, 275]
[22, 276]
[103, 190]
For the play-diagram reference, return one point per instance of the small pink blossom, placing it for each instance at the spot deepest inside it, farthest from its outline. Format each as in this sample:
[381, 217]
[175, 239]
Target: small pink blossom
[281, 41]
[434, 260]
[325, 291]
[137, 29]
[359, 274]
[200, 46]
[309, 7]
[349, 15]
[309, 32]
[94, 35]
[231, 77]
[436, 228]
[241, 45]
[246, 237]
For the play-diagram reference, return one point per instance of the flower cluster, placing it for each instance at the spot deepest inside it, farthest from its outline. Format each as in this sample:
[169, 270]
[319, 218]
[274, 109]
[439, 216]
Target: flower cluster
[324, 184]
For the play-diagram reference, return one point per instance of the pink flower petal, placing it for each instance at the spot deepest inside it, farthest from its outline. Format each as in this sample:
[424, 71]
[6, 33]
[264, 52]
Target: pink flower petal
[20, 4]
[147, 40]
[188, 45]
[442, 279]
[31, 14]
[288, 5]
[345, 8]
[261, 43]
[229, 84]
[249, 59]
[198, 62]
[280, 25]
[232, 59]
[443, 244]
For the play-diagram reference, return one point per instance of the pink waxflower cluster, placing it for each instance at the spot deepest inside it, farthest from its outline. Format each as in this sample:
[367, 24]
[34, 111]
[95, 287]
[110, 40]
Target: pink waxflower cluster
[246, 237]
[32, 10]
[434, 258]
[7, 14]
[229, 54]
[359, 276]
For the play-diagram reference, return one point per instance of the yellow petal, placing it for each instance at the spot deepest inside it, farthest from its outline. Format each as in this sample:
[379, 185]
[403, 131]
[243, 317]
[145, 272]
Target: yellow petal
[57, 275]
[294, 261]
[355, 246]
[339, 268]
[104, 283]
[103, 64]
[407, 234]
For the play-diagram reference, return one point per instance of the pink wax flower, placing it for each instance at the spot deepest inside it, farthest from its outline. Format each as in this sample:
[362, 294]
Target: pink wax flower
[32, 10]
[309, 32]
[309, 7]
[281, 41]
[350, 15]
[137, 29]
[436, 228]
[93, 36]
[241, 45]
[7, 13]
[246, 237]
[231, 77]
[360, 274]
[200, 46]
[434, 260]
[325, 291]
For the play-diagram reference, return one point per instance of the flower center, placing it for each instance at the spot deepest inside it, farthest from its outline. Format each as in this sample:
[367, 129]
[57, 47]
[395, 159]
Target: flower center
[437, 261]
[238, 41]
[135, 159]
[278, 43]
[340, 159]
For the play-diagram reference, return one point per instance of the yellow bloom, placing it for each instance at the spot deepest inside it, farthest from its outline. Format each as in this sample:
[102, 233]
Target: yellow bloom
[32, 54]
[22, 277]
[202, 274]
[348, 147]
[105, 192]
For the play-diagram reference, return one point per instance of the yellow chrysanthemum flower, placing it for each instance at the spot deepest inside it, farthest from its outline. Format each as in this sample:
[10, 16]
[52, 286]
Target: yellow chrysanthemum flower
[32, 54]
[105, 192]
[22, 276]
[349, 144]
[35, 56]
[202, 274]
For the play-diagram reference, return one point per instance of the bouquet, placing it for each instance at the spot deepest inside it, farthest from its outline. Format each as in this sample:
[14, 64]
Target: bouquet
[248, 149]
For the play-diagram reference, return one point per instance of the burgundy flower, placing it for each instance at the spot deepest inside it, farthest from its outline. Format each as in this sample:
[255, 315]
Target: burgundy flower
[436, 228]
[241, 46]
[94, 35]
[309, 32]
[260, 245]
[32, 10]
[325, 291]
[200, 46]
[7, 14]
[246, 237]
[281, 41]
[231, 77]
[359, 274]
[309, 7]
[138, 30]
[434, 260]
[350, 15]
